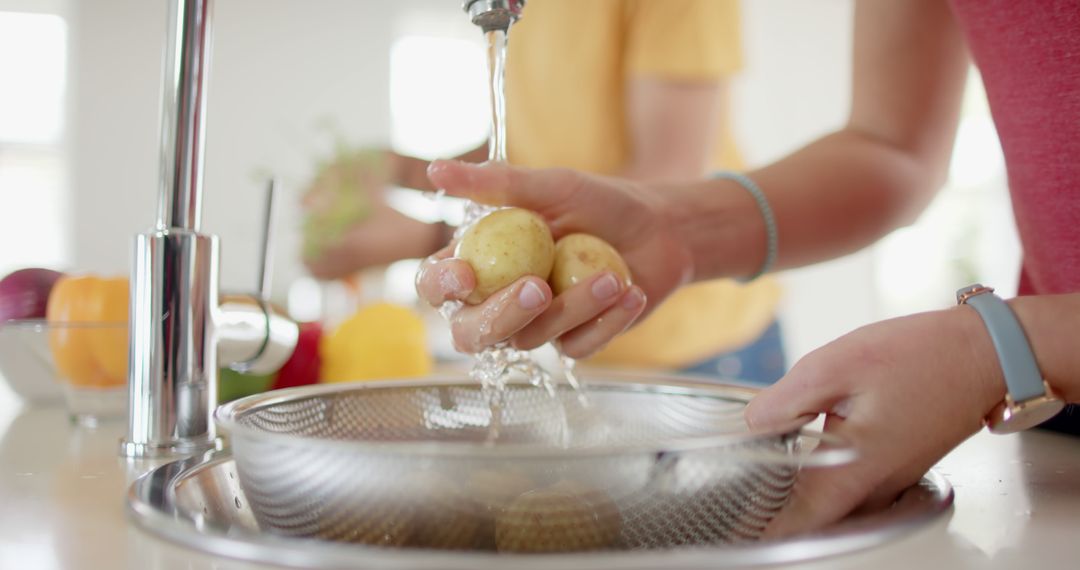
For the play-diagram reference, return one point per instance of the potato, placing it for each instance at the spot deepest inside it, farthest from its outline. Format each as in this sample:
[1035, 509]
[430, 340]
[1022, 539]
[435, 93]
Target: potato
[608, 517]
[444, 516]
[504, 246]
[580, 256]
[494, 490]
[557, 519]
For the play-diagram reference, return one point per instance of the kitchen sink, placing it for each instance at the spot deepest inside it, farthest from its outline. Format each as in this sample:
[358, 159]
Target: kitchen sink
[200, 503]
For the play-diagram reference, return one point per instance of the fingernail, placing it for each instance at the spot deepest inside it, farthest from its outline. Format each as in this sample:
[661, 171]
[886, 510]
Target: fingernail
[436, 166]
[449, 282]
[531, 296]
[633, 300]
[605, 287]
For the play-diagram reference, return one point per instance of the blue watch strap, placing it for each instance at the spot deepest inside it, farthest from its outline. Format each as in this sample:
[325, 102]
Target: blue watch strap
[1022, 376]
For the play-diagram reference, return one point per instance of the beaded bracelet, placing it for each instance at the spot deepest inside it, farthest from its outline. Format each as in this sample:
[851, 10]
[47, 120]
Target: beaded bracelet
[766, 213]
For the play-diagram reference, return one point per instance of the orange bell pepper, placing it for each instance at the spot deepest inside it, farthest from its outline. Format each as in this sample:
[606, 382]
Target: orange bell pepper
[88, 330]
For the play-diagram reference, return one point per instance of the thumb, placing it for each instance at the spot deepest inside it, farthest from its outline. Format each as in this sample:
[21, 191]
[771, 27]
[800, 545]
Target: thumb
[799, 396]
[501, 185]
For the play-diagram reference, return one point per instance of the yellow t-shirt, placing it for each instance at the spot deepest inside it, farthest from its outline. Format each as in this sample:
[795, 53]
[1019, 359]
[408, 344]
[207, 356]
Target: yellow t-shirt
[566, 75]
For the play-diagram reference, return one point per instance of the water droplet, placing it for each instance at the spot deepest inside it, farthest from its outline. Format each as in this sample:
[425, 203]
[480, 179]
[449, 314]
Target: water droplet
[449, 309]
[236, 501]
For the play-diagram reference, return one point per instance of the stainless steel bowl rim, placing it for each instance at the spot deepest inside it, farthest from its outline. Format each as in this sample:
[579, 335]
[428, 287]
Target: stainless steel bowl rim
[229, 416]
[151, 503]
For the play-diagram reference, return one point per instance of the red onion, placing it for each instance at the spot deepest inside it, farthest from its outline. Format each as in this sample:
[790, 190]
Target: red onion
[24, 294]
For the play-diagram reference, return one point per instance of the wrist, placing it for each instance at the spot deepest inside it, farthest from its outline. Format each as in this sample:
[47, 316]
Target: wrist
[721, 227]
[1030, 399]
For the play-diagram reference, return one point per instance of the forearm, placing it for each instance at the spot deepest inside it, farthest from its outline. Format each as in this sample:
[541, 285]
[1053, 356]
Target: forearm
[835, 196]
[850, 188]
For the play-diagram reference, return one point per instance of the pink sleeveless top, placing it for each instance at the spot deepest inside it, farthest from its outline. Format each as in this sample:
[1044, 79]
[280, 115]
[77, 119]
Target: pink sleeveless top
[1028, 52]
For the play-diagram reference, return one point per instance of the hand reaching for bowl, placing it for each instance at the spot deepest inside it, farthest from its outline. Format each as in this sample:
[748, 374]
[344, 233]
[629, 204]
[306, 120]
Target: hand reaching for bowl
[526, 312]
[902, 392]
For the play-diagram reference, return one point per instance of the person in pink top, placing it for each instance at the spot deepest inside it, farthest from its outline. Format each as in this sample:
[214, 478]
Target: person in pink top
[905, 391]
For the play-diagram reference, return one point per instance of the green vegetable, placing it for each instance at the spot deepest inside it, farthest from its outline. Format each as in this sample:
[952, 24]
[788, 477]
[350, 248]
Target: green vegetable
[233, 385]
[341, 196]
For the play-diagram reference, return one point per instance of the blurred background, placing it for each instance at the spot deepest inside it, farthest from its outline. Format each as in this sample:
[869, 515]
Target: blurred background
[79, 122]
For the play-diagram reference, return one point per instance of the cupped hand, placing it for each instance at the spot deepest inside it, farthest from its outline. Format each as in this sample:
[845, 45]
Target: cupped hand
[902, 392]
[525, 313]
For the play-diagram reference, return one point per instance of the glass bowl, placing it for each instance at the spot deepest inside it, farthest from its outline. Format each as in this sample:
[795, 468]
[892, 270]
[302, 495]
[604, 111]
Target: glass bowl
[82, 364]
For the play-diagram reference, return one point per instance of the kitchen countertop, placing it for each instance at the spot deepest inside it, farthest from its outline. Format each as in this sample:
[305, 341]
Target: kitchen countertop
[62, 491]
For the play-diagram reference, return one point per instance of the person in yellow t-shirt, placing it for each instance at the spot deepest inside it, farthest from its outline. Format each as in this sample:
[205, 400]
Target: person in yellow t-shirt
[615, 87]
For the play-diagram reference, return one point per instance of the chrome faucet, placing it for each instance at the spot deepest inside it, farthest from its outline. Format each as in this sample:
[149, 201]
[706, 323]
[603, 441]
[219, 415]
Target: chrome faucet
[493, 15]
[179, 328]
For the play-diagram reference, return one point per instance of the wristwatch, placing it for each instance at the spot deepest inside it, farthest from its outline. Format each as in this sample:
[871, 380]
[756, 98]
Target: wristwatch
[1030, 400]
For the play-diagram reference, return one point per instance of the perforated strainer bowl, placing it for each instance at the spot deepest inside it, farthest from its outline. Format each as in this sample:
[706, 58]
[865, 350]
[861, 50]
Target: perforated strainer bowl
[644, 463]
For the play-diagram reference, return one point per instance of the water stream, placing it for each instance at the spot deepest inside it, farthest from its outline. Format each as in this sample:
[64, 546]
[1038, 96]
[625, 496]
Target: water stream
[498, 364]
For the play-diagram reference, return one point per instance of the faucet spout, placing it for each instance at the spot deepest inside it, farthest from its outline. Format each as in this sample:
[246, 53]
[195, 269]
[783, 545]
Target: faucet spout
[492, 15]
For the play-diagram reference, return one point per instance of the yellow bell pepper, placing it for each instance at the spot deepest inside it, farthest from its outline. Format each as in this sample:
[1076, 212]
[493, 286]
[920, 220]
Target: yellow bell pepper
[88, 330]
[380, 341]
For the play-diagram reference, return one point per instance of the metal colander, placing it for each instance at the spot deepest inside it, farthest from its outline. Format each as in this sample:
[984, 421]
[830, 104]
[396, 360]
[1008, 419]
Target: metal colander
[640, 465]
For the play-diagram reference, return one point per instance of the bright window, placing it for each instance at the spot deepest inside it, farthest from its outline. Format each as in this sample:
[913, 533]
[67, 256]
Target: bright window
[33, 68]
[438, 95]
[33, 51]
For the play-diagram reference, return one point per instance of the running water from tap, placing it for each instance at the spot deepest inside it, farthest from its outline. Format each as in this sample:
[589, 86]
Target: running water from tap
[494, 366]
[496, 60]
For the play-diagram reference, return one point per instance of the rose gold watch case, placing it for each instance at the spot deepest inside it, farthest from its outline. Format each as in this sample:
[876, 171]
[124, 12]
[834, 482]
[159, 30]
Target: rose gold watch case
[1011, 417]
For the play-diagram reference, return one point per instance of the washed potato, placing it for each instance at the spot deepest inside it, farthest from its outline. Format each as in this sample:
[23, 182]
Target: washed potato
[384, 522]
[580, 256]
[443, 516]
[555, 519]
[493, 490]
[608, 517]
[504, 246]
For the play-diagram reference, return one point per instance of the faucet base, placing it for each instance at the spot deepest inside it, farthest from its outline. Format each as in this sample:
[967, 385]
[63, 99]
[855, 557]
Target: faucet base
[172, 373]
[178, 449]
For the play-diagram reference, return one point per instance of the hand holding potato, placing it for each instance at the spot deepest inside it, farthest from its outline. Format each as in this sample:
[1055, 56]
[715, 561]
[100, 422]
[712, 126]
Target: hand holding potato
[526, 312]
